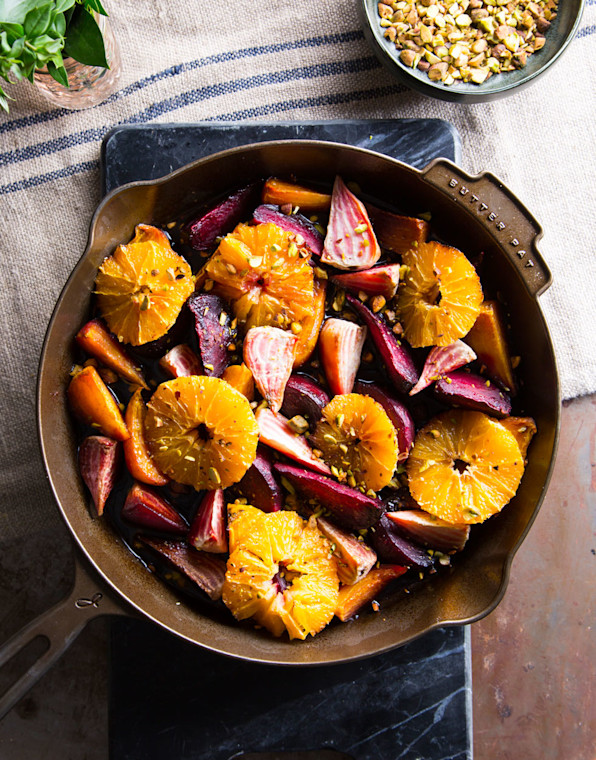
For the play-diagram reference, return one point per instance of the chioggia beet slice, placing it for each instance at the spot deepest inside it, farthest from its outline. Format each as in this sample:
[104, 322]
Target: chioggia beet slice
[95, 338]
[275, 431]
[353, 598]
[379, 281]
[209, 530]
[347, 506]
[340, 348]
[470, 391]
[213, 325]
[181, 361]
[150, 510]
[392, 547]
[99, 459]
[304, 397]
[350, 242]
[440, 361]
[259, 486]
[354, 558]
[399, 364]
[269, 355]
[431, 531]
[397, 413]
[205, 570]
[221, 219]
[295, 223]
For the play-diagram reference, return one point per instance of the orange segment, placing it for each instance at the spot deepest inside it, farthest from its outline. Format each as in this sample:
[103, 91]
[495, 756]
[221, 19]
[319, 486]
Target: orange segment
[464, 466]
[90, 399]
[265, 275]
[281, 572]
[358, 439]
[142, 287]
[201, 432]
[136, 455]
[240, 377]
[440, 296]
[311, 325]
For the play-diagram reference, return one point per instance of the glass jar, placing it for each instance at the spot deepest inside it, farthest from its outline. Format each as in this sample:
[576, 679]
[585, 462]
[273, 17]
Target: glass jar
[89, 85]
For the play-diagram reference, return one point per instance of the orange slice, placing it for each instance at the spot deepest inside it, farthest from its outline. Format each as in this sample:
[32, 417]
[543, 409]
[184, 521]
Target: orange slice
[464, 466]
[281, 572]
[358, 441]
[266, 276]
[440, 296]
[142, 287]
[201, 431]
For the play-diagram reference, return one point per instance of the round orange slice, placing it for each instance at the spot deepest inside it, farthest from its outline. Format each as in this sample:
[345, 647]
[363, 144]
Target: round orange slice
[268, 278]
[281, 572]
[464, 466]
[440, 296]
[201, 431]
[358, 441]
[142, 287]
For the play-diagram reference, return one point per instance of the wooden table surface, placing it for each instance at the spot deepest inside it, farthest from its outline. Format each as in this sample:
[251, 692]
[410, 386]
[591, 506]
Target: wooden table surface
[533, 657]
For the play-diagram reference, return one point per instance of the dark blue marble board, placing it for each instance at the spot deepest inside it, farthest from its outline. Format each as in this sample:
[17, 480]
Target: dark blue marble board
[169, 699]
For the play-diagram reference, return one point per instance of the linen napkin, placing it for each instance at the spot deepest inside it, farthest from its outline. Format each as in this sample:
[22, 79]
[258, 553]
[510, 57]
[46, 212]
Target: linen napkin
[188, 62]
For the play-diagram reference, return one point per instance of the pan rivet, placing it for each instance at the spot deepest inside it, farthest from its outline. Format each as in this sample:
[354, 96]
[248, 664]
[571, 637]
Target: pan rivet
[86, 602]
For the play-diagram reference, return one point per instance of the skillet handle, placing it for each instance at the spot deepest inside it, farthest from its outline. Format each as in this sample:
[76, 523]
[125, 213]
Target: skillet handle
[60, 625]
[505, 218]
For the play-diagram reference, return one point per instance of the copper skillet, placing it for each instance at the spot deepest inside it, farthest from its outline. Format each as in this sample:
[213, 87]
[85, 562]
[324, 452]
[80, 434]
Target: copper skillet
[473, 213]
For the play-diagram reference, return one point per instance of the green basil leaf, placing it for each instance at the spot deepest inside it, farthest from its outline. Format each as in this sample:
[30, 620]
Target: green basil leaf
[95, 5]
[64, 5]
[5, 45]
[14, 31]
[58, 73]
[17, 48]
[57, 26]
[84, 41]
[4, 98]
[38, 20]
[15, 10]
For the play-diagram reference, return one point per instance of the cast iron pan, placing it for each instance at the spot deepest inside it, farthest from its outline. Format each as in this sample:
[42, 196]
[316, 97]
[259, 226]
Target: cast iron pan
[473, 213]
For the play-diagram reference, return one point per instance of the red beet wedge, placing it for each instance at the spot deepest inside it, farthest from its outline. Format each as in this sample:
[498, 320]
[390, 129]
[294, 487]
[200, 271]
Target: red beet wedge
[213, 325]
[380, 281]
[391, 546]
[147, 508]
[296, 223]
[340, 348]
[304, 397]
[275, 431]
[181, 361]
[259, 485]
[221, 219]
[440, 361]
[397, 413]
[269, 355]
[431, 531]
[348, 507]
[398, 362]
[208, 529]
[470, 391]
[99, 459]
[205, 570]
[350, 242]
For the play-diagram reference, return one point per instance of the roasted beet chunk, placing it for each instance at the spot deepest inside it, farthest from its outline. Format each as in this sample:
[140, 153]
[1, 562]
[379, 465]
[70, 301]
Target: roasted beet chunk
[295, 223]
[471, 391]
[392, 547]
[214, 331]
[221, 219]
[304, 397]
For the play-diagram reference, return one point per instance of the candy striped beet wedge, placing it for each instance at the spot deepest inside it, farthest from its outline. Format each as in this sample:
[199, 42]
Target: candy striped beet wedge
[340, 348]
[269, 355]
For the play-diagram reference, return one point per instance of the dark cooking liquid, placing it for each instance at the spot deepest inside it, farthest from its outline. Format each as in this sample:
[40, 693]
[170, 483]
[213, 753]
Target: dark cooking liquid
[185, 499]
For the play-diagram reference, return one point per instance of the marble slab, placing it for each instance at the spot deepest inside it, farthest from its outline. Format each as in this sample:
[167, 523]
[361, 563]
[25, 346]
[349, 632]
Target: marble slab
[171, 699]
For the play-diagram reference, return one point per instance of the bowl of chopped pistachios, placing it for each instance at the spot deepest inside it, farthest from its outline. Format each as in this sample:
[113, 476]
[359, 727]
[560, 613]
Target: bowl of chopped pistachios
[469, 50]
